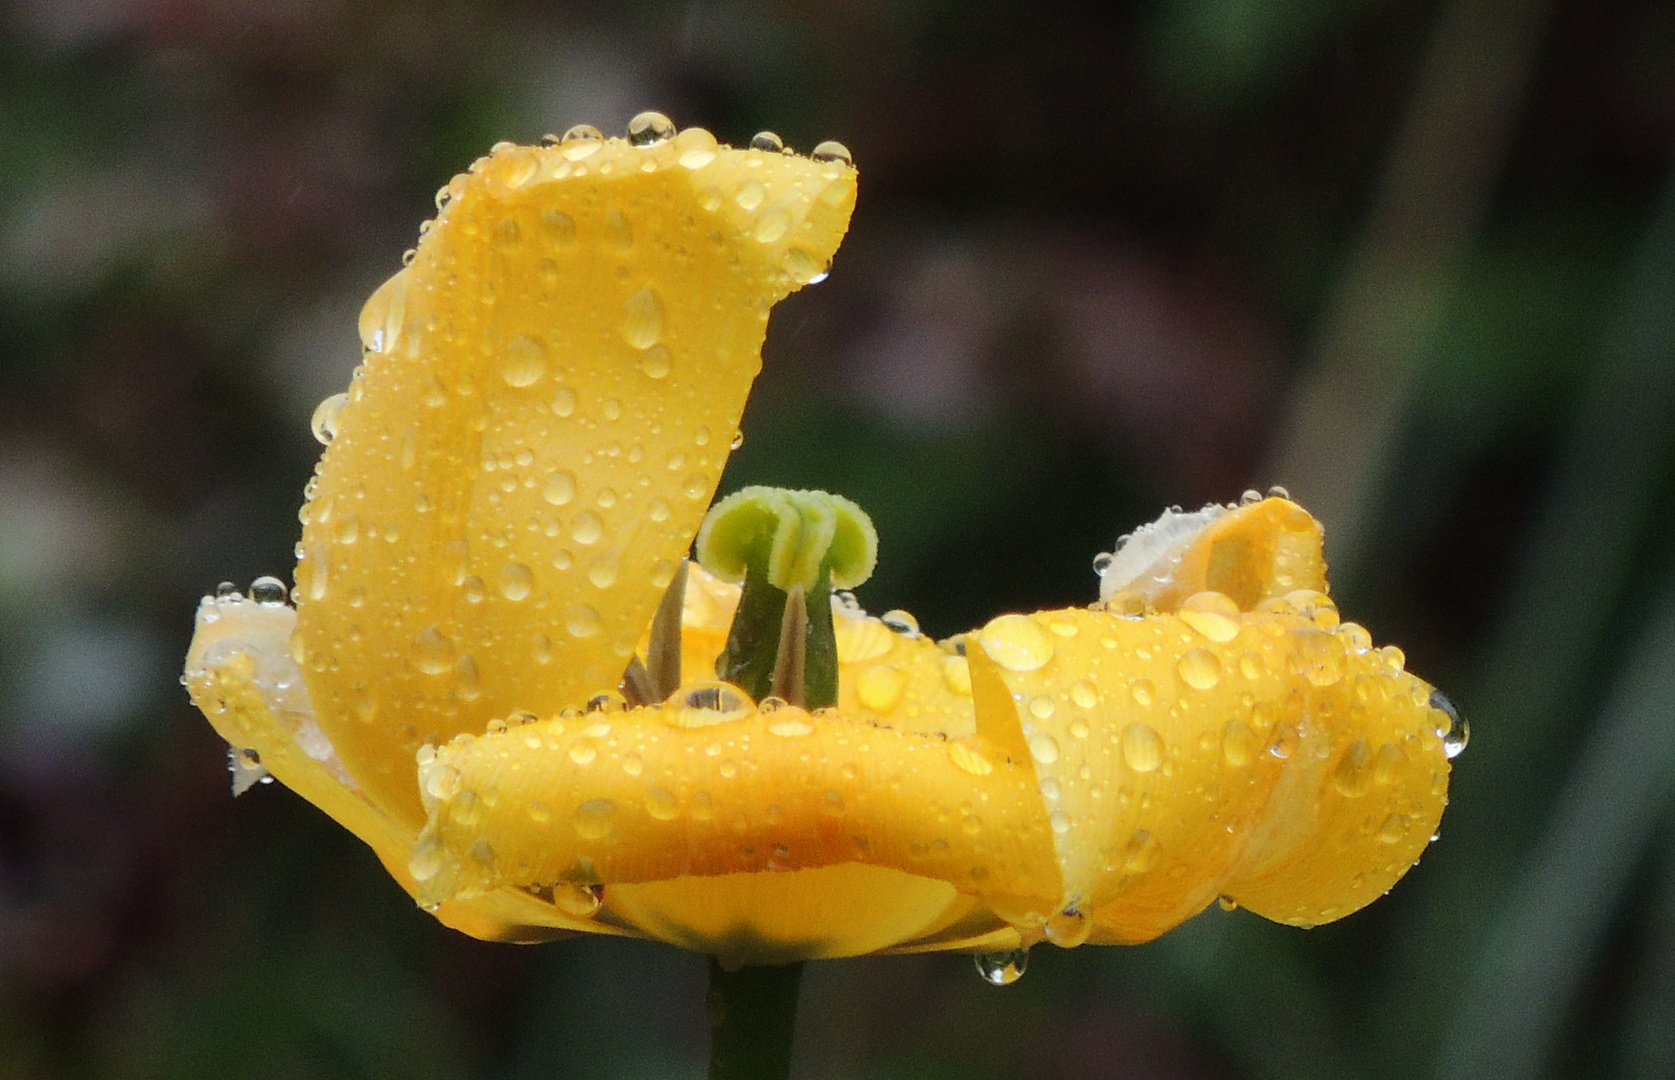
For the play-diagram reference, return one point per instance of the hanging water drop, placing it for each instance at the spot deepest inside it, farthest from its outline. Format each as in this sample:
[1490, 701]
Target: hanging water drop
[1002, 968]
[1457, 732]
[326, 416]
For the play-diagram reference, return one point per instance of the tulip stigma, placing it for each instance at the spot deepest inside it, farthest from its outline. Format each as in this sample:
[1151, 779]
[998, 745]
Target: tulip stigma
[790, 549]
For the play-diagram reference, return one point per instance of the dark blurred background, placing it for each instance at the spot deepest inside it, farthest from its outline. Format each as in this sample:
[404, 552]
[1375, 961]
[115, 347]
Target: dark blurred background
[1413, 259]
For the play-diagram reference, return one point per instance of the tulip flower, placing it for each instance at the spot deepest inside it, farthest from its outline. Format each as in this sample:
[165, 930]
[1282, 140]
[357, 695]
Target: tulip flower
[504, 675]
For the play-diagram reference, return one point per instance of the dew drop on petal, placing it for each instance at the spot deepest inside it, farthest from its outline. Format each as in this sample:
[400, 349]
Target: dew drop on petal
[524, 363]
[326, 416]
[1199, 669]
[1017, 643]
[1142, 747]
[1212, 614]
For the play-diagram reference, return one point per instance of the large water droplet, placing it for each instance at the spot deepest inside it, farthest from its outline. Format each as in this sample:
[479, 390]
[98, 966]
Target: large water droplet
[1069, 928]
[586, 527]
[831, 150]
[1002, 968]
[650, 128]
[268, 590]
[655, 363]
[768, 141]
[1142, 747]
[1043, 748]
[582, 621]
[661, 804]
[516, 580]
[468, 684]
[433, 652]
[1212, 614]
[1352, 776]
[1318, 656]
[642, 321]
[880, 686]
[578, 901]
[1199, 669]
[1017, 643]
[326, 416]
[1455, 731]
[524, 363]
[560, 487]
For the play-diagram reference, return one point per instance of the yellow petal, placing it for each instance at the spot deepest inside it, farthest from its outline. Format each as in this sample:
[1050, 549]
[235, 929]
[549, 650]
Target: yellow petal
[547, 400]
[657, 794]
[239, 673]
[1177, 767]
[1249, 553]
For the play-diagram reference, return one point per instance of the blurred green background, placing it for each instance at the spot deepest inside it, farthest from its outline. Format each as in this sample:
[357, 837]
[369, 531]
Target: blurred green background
[1414, 260]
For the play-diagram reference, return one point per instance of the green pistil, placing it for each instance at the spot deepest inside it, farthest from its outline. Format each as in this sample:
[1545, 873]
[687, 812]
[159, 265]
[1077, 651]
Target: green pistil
[790, 548]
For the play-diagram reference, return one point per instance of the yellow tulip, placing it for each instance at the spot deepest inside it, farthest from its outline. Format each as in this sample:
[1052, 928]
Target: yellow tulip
[511, 483]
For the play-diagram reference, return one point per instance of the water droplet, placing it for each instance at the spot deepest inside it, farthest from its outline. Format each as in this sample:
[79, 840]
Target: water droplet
[655, 362]
[1393, 829]
[1250, 498]
[1212, 614]
[803, 267]
[750, 195]
[326, 416]
[1284, 741]
[383, 315]
[516, 581]
[767, 140]
[970, 760]
[1002, 968]
[1042, 706]
[1452, 728]
[696, 486]
[1043, 748]
[789, 729]
[1017, 643]
[1069, 928]
[1084, 694]
[1060, 821]
[603, 572]
[1142, 747]
[658, 510]
[738, 440]
[1126, 605]
[560, 487]
[1351, 777]
[1279, 492]
[586, 527]
[1388, 764]
[433, 653]
[426, 861]
[228, 591]
[1317, 656]
[1199, 669]
[1102, 562]
[1143, 692]
[956, 673]
[582, 621]
[661, 804]
[564, 402]
[577, 900]
[831, 150]
[1238, 743]
[1141, 852]
[267, 590]
[524, 363]
[650, 128]
[772, 224]
[642, 322]
[880, 686]
[441, 782]
[467, 683]
[1251, 666]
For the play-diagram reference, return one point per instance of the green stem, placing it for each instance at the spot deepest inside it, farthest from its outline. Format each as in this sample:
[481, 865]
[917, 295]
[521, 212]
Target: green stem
[753, 1012]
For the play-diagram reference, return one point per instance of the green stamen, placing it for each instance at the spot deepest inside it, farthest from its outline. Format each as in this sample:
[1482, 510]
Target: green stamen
[790, 548]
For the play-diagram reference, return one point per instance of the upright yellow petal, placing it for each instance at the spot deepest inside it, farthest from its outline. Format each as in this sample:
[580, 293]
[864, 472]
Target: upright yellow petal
[548, 397]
